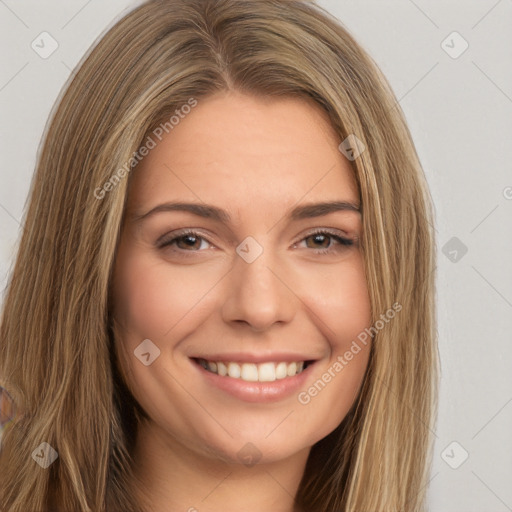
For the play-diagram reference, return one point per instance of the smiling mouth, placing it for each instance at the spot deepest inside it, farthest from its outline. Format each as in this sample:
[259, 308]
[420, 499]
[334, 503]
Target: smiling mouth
[251, 372]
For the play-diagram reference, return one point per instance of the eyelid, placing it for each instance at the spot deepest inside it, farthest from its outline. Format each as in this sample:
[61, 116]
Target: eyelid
[198, 231]
[343, 239]
[329, 231]
[168, 237]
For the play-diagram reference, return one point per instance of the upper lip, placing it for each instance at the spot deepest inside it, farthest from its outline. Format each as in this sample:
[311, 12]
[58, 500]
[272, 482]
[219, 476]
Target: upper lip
[237, 357]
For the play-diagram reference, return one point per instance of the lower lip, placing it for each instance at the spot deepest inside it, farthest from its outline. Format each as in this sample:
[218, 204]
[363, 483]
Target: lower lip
[260, 392]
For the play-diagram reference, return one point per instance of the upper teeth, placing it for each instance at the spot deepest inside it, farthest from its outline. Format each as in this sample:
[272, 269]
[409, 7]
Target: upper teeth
[264, 372]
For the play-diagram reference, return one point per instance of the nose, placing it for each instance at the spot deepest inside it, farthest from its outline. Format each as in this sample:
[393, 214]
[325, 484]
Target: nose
[258, 294]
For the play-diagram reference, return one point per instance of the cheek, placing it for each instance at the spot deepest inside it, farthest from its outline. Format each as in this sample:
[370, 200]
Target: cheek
[340, 300]
[343, 308]
[154, 301]
[151, 298]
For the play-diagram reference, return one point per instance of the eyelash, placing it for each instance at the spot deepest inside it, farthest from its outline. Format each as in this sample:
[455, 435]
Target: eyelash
[342, 242]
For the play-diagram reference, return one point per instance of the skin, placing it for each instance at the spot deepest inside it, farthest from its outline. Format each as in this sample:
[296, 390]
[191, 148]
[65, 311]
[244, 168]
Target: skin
[256, 158]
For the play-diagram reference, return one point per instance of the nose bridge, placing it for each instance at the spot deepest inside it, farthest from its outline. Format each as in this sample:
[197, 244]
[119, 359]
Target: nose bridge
[257, 295]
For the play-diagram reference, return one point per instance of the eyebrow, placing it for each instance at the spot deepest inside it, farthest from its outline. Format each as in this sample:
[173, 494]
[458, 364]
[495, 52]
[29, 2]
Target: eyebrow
[212, 212]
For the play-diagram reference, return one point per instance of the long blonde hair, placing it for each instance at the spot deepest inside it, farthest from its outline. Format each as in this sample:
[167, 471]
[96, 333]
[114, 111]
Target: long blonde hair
[57, 355]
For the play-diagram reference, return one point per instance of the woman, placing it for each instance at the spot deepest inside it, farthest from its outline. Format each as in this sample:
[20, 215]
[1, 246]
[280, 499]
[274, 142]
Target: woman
[224, 293]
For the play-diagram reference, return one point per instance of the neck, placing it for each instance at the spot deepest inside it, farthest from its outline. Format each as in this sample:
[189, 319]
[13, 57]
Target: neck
[171, 477]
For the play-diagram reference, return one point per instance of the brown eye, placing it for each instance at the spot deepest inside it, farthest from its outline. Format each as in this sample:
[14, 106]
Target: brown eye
[188, 241]
[326, 242]
[320, 241]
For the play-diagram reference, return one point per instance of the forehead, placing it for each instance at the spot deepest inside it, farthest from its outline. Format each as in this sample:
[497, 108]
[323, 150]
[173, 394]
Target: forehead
[246, 152]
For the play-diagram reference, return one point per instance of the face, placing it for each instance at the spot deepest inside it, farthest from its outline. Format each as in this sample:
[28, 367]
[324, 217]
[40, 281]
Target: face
[235, 297]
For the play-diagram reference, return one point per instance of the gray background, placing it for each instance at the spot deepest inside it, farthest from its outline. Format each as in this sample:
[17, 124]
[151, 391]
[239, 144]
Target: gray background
[460, 114]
